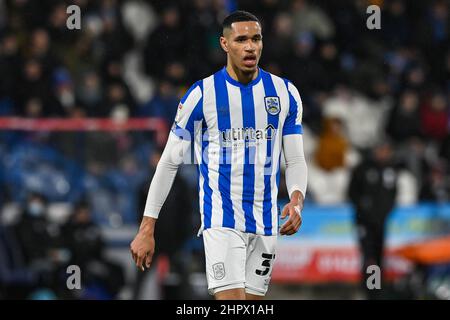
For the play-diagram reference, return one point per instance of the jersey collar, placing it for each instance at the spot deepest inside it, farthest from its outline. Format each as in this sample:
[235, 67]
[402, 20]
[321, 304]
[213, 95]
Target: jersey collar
[239, 84]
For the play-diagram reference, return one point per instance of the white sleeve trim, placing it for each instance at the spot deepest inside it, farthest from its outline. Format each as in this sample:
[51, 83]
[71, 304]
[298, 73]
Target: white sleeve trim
[296, 168]
[174, 153]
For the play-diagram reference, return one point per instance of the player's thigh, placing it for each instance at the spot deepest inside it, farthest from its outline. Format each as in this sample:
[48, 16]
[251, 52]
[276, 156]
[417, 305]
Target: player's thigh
[225, 253]
[260, 260]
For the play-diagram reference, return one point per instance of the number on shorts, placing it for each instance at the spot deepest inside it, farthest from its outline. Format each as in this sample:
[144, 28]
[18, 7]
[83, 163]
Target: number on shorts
[266, 263]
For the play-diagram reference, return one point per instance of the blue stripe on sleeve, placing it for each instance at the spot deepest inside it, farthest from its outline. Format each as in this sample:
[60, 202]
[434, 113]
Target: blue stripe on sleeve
[296, 129]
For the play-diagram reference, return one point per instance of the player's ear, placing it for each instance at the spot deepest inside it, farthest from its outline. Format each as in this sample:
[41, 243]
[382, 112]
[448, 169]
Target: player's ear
[224, 44]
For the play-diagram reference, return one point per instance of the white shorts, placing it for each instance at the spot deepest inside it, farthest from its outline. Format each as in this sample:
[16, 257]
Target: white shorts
[236, 259]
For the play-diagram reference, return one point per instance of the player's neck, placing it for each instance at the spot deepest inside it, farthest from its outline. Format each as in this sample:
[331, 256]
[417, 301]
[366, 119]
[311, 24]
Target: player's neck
[240, 76]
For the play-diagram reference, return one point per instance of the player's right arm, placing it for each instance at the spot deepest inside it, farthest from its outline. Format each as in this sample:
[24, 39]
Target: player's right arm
[143, 246]
[178, 145]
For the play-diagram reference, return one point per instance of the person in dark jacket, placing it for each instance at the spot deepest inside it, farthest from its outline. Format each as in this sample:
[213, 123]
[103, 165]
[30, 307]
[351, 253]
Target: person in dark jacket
[40, 243]
[102, 278]
[17, 280]
[372, 191]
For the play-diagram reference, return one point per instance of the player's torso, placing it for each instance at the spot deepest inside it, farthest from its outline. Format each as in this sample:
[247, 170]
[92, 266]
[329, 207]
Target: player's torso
[240, 151]
[243, 124]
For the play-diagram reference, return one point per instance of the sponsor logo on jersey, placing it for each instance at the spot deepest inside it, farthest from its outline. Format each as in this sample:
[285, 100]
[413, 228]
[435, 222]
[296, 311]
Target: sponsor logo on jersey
[248, 134]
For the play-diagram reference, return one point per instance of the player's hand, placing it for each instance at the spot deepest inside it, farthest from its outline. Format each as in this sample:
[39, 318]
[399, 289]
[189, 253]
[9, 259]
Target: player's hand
[142, 249]
[293, 209]
[143, 246]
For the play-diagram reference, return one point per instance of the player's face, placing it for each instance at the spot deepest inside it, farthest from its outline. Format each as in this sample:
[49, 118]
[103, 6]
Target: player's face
[243, 45]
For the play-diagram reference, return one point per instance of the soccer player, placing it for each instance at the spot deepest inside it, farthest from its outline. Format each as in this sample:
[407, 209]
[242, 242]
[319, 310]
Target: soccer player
[239, 120]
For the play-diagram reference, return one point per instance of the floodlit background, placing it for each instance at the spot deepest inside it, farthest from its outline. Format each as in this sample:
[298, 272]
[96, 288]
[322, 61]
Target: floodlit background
[72, 189]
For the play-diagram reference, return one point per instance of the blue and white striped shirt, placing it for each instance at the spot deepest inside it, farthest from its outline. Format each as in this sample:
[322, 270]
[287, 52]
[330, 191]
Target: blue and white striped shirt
[237, 131]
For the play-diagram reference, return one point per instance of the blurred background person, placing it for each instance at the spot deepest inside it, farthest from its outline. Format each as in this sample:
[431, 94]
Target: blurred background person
[373, 191]
[17, 279]
[329, 169]
[41, 243]
[102, 279]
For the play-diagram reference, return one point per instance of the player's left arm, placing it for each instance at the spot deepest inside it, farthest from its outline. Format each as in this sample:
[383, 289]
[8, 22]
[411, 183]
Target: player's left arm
[296, 168]
[296, 182]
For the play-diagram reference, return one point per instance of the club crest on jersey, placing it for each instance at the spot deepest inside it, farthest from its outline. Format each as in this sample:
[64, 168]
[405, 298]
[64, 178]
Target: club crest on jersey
[272, 105]
[219, 270]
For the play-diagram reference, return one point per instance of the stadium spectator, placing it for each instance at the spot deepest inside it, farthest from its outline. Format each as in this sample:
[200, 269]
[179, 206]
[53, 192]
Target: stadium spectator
[435, 115]
[40, 242]
[329, 172]
[158, 52]
[90, 93]
[280, 39]
[161, 105]
[10, 62]
[372, 191]
[436, 186]
[17, 280]
[101, 278]
[332, 145]
[404, 120]
[310, 18]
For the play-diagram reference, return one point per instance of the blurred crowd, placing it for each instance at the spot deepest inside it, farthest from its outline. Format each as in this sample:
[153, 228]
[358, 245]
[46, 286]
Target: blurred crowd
[35, 253]
[359, 87]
